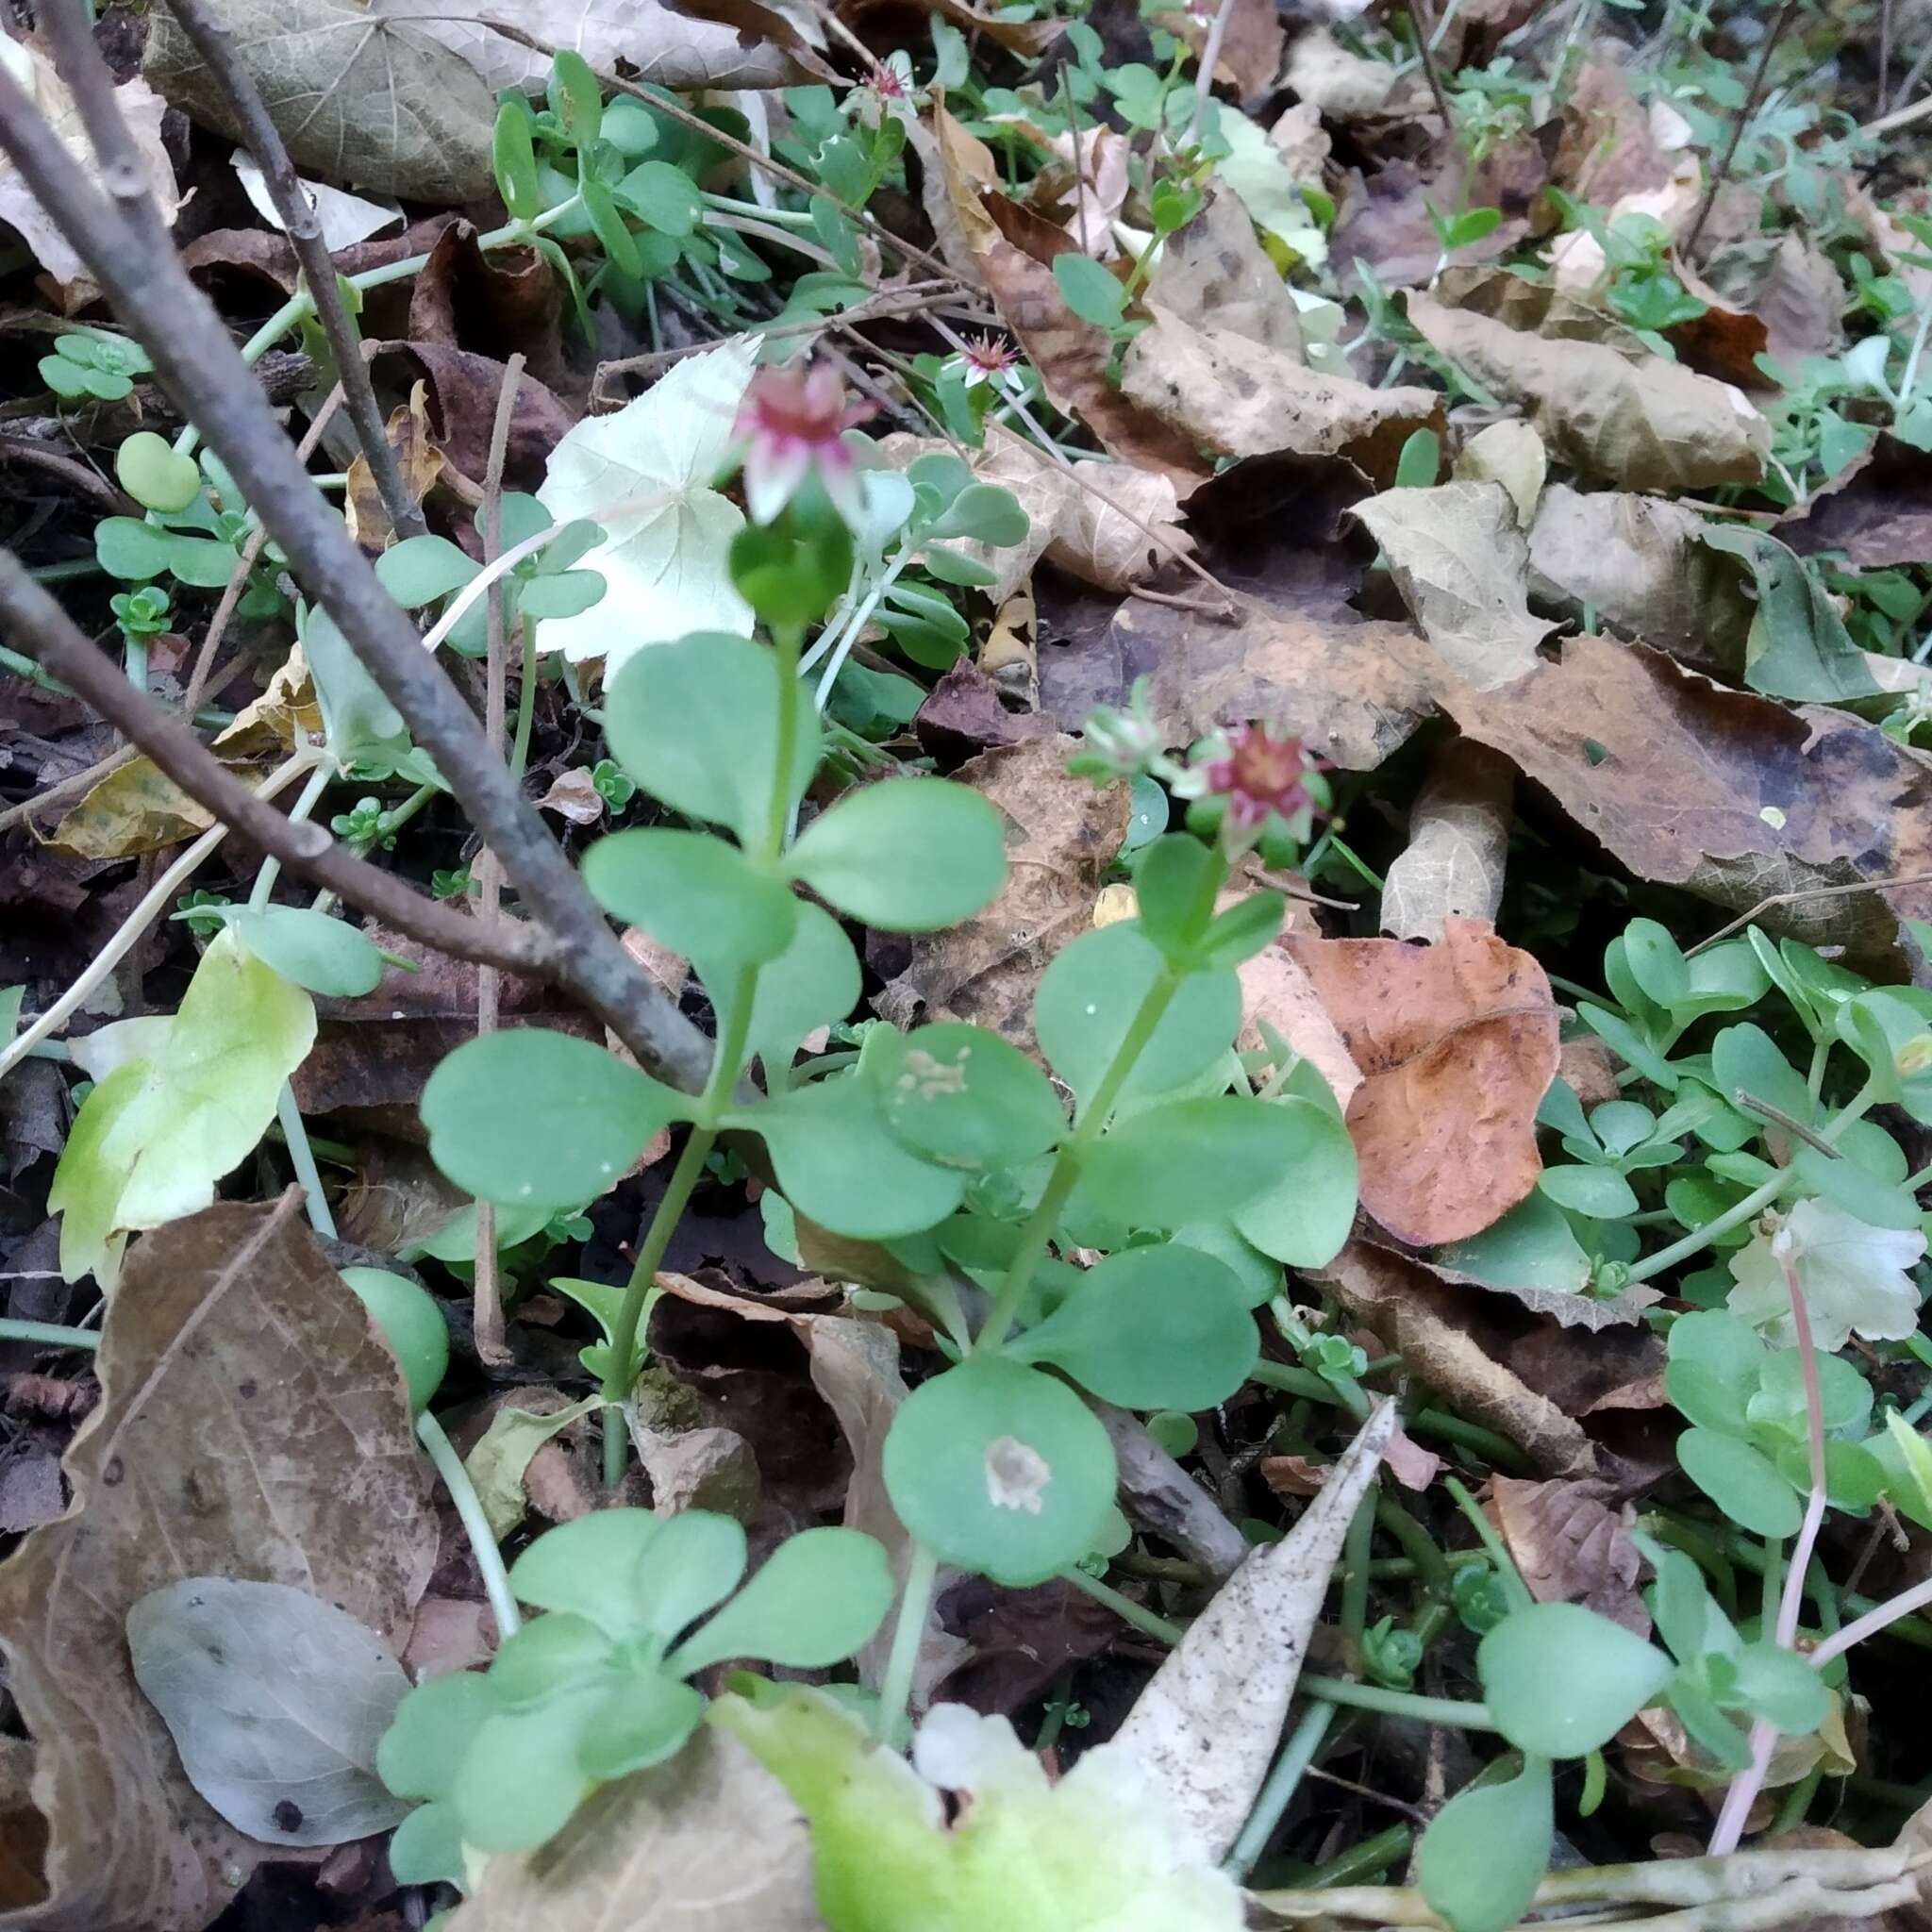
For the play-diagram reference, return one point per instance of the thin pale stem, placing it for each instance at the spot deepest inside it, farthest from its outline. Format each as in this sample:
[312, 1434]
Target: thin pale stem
[49, 1334]
[915, 1600]
[468, 1507]
[301, 1159]
[1284, 1780]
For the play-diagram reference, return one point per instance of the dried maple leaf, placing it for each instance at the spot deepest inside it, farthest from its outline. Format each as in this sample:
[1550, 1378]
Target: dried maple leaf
[1457, 1043]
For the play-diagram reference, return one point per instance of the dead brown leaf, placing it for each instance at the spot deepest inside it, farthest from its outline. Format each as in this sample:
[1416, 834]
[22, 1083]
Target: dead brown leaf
[1251, 44]
[1572, 1545]
[1457, 1043]
[708, 1843]
[464, 388]
[1801, 302]
[1879, 514]
[1072, 355]
[1028, 38]
[1072, 517]
[1237, 397]
[137, 807]
[1061, 833]
[1354, 689]
[1214, 272]
[1511, 454]
[963, 714]
[1419, 1316]
[1606, 148]
[418, 460]
[1731, 795]
[1278, 988]
[1605, 408]
[1635, 562]
[1459, 840]
[507, 301]
[575, 797]
[272, 722]
[252, 1425]
[1458, 559]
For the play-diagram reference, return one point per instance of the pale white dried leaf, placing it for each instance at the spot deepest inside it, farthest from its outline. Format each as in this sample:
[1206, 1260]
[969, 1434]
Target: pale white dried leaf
[1459, 560]
[1343, 86]
[1459, 841]
[1511, 454]
[1208, 1726]
[496, 1465]
[346, 219]
[1856, 1278]
[1275, 986]
[277, 1701]
[1242, 398]
[573, 795]
[645, 475]
[139, 107]
[1214, 271]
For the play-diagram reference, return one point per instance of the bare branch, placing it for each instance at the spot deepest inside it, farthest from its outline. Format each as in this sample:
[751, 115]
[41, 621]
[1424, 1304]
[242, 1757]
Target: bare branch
[52, 638]
[303, 229]
[195, 356]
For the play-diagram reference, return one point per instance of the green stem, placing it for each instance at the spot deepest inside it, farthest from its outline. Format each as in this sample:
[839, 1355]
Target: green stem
[1355, 1552]
[468, 1507]
[1148, 1622]
[1366, 1859]
[49, 1333]
[1445, 1428]
[1284, 1780]
[319, 781]
[526, 706]
[1302, 1382]
[1038, 1232]
[895, 1693]
[1429, 1710]
[301, 1159]
[1753, 1205]
[624, 1338]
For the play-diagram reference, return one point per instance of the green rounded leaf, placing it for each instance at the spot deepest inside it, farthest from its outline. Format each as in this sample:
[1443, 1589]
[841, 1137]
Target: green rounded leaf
[1159, 1327]
[1781, 1687]
[813, 983]
[1657, 963]
[644, 1718]
[1174, 889]
[1088, 291]
[1303, 1217]
[430, 1734]
[1190, 1158]
[155, 473]
[592, 1567]
[546, 1655]
[821, 1597]
[999, 1469]
[1747, 1058]
[1486, 1851]
[695, 722]
[1087, 1001]
[1532, 1246]
[513, 162]
[693, 894]
[540, 1118]
[661, 196]
[1560, 1680]
[966, 1098]
[1741, 1481]
[410, 1321]
[324, 953]
[1599, 1193]
[418, 569]
[523, 1776]
[906, 855]
[839, 1165]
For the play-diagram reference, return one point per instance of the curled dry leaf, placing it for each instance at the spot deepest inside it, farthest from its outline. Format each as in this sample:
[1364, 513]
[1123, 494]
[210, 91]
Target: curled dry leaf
[1343, 86]
[1414, 1313]
[240, 1373]
[572, 796]
[1458, 559]
[360, 98]
[1608, 148]
[1459, 841]
[1572, 1545]
[1607, 407]
[1277, 988]
[1457, 1043]
[1640, 565]
[1240, 398]
[1251, 43]
[1801, 302]
[707, 1843]
[1072, 355]
[285, 711]
[137, 807]
[418, 461]
[1214, 272]
[1510, 454]
[141, 109]
[1879, 514]
[1209, 1723]
[1074, 515]
[1061, 833]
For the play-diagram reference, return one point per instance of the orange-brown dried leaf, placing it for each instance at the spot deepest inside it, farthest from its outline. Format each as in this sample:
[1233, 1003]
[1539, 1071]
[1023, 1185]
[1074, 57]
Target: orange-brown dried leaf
[1457, 1043]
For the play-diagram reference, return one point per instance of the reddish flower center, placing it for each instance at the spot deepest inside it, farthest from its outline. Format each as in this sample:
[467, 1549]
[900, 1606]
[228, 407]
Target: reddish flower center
[786, 406]
[988, 354]
[887, 83]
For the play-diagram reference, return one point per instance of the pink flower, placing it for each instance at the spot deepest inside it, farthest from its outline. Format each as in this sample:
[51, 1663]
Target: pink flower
[1260, 773]
[986, 357]
[887, 82]
[792, 424]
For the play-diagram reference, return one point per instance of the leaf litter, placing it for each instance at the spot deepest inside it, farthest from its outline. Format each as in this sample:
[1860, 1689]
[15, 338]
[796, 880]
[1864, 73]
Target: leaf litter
[1535, 470]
